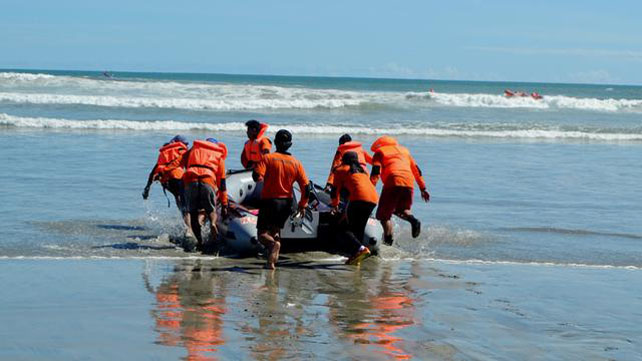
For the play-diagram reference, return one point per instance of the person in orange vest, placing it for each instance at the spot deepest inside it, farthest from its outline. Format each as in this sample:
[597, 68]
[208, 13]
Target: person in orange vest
[362, 199]
[278, 171]
[257, 144]
[205, 178]
[346, 144]
[398, 171]
[168, 170]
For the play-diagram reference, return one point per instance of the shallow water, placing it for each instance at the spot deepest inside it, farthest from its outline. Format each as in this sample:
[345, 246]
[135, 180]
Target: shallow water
[531, 245]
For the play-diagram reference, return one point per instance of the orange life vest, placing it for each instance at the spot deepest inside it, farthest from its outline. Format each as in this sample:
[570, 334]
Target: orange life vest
[356, 147]
[395, 159]
[204, 159]
[253, 149]
[169, 160]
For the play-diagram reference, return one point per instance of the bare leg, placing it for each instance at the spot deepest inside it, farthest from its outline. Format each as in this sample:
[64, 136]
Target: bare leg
[270, 241]
[406, 215]
[196, 227]
[213, 227]
[387, 231]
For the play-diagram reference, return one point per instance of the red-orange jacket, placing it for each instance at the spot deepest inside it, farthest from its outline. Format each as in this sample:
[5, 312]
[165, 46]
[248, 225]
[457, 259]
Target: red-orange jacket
[351, 146]
[397, 166]
[169, 163]
[205, 162]
[254, 150]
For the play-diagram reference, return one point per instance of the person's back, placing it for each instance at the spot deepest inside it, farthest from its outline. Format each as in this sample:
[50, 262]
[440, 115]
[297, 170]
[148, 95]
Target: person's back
[346, 144]
[205, 163]
[396, 165]
[278, 171]
[205, 181]
[398, 170]
[168, 164]
[357, 184]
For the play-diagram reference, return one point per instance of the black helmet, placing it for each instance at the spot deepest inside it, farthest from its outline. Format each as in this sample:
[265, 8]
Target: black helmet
[283, 139]
[345, 138]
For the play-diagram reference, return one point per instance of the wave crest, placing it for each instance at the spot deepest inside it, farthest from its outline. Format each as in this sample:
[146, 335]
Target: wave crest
[453, 130]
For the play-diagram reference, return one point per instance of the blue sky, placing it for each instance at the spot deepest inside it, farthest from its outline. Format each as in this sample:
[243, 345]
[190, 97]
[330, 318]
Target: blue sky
[550, 41]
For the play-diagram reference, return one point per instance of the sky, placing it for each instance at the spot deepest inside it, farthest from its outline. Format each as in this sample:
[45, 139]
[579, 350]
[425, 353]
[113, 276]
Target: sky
[542, 41]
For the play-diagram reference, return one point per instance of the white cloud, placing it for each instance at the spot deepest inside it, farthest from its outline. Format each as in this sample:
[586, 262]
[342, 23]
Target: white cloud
[593, 77]
[621, 54]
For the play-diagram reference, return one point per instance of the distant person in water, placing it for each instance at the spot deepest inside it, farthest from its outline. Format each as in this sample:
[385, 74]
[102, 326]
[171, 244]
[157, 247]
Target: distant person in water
[169, 171]
[398, 172]
[107, 74]
[346, 144]
[257, 144]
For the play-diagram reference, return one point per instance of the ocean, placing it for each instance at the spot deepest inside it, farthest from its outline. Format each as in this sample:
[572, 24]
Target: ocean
[531, 245]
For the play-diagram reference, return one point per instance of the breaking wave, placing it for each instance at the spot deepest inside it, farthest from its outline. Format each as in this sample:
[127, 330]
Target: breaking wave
[27, 88]
[449, 130]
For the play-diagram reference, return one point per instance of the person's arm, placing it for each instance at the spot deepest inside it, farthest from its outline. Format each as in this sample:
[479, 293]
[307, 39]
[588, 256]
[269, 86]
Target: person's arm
[337, 187]
[222, 187]
[416, 172]
[259, 171]
[304, 186]
[266, 146]
[336, 161]
[368, 157]
[376, 168]
[244, 161]
[150, 180]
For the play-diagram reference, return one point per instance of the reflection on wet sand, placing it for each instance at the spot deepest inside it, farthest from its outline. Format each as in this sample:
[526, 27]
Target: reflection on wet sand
[372, 314]
[188, 313]
[295, 312]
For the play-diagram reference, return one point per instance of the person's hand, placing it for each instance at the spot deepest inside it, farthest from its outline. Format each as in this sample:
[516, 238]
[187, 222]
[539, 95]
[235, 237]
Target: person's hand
[328, 188]
[334, 211]
[224, 211]
[300, 212]
[146, 192]
[425, 195]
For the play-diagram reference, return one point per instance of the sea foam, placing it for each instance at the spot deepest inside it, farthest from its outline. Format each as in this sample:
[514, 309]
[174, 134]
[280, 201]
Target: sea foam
[480, 131]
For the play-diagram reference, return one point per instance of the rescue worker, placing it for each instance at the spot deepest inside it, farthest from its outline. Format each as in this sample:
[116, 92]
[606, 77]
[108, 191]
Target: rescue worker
[257, 144]
[362, 199]
[278, 171]
[205, 179]
[346, 144]
[398, 171]
[169, 171]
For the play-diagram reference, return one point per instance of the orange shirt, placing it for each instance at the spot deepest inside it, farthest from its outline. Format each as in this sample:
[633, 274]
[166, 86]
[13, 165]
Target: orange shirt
[358, 185]
[279, 171]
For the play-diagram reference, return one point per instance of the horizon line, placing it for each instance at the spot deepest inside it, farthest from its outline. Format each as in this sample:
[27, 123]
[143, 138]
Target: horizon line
[309, 76]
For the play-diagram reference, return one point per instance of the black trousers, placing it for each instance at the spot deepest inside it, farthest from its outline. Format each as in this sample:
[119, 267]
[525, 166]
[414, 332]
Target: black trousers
[358, 213]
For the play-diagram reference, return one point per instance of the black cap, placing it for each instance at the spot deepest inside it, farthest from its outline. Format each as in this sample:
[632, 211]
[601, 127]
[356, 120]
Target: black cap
[253, 124]
[345, 138]
[283, 139]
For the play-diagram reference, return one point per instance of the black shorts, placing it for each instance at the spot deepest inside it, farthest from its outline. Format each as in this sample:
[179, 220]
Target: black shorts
[200, 196]
[273, 213]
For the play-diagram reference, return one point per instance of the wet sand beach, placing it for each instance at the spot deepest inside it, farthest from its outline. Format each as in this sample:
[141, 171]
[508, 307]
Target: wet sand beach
[224, 309]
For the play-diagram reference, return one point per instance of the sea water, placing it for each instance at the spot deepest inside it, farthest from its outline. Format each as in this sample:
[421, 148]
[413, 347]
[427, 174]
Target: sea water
[535, 217]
